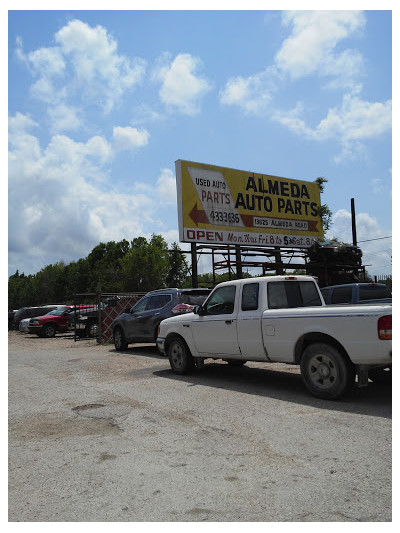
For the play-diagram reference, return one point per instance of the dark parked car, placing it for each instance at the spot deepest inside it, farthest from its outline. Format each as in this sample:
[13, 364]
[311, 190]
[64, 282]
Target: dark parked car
[29, 312]
[357, 293]
[141, 323]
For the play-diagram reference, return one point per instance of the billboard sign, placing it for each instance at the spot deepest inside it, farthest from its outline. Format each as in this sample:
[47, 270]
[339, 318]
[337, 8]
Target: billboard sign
[218, 205]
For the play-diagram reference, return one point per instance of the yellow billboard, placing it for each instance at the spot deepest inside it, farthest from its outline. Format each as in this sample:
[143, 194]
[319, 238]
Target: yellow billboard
[219, 205]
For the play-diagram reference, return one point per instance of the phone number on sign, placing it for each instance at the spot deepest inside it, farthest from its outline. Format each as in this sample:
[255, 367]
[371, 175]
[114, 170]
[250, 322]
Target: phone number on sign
[224, 216]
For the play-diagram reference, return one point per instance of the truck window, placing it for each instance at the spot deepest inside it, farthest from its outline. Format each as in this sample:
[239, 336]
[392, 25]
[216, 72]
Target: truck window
[222, 301]
[342, 295]
[288, 294]
[250, 296]
[373, 292]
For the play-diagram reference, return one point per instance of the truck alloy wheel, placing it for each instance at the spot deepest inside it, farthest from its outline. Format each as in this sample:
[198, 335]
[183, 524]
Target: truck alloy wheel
[180, 358]
[325, 371]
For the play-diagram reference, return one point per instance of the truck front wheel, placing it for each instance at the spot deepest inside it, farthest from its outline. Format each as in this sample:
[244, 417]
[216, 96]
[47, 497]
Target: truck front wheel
[180, 358]
[326, 372]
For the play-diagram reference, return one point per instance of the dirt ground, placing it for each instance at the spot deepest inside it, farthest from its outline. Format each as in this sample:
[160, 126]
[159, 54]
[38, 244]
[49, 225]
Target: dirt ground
[97, 435]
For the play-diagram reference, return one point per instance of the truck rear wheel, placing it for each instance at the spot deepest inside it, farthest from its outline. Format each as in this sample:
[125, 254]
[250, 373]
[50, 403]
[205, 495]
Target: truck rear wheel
[326, 372]
[180, 358]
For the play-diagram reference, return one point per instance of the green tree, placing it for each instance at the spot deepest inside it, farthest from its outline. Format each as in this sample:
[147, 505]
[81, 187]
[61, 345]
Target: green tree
[325, 212]
[146, 265]
[104, 263]
[178, 267]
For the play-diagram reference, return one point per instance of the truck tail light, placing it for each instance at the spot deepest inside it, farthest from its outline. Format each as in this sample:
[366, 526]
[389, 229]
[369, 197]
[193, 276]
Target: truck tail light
[182, 308]
[385, 327]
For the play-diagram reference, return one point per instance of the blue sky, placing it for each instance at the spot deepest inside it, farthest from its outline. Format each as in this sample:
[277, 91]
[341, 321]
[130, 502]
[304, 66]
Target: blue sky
[102, 103]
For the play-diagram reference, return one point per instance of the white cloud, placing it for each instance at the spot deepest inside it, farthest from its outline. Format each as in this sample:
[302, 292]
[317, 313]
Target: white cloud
[63, 118]
[309, 50]
[166, 187]
[311, 46]
[129, 138]
[85, 63]
[252, 94]
[355, 120]
[182, 88]
[313, 49]
[59, 203]
[97, 67]
[377, 254]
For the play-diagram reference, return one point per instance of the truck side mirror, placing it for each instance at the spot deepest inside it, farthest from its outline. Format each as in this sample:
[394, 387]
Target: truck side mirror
[199, 310]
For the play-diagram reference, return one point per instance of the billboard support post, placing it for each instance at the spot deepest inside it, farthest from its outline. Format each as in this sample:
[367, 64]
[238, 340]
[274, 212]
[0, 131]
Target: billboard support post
[239, 271]
[195, 279]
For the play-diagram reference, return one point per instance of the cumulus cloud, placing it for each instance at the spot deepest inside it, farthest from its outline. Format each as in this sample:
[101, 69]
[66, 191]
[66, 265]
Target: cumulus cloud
[60, 205]
[311, 46]
[129, 138]
[315, 48]
[377, 253]
[182, 88]
[64, 118]
[253, 94]
[355, 120]
[84, 63]
[166, 186]
[309, 50]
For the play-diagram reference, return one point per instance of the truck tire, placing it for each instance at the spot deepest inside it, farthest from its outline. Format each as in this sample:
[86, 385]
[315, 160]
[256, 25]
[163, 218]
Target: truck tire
[49, 331]
[326, 372]
[381, 376]
[180, 358]
[119, 340]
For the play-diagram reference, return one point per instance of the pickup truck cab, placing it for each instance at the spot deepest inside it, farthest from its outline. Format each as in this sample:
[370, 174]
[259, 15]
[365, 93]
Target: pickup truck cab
[282, 319]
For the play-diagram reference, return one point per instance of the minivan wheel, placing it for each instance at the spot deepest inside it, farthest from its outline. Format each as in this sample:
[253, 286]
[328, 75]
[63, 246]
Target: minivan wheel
[49, 331]
[119, 340]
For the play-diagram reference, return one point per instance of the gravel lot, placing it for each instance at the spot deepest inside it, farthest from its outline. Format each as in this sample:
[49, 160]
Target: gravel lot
[101, 436]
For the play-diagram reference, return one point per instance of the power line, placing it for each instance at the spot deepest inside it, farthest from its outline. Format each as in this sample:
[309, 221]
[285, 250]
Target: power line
[378, 239]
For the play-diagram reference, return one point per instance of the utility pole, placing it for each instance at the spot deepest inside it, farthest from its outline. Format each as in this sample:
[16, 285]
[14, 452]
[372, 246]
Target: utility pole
[353, 222]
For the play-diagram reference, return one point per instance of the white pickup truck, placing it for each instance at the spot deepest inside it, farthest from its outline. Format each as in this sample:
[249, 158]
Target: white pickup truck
[283, 319]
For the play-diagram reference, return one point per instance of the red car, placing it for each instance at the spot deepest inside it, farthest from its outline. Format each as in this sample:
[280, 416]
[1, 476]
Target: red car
[54, 322]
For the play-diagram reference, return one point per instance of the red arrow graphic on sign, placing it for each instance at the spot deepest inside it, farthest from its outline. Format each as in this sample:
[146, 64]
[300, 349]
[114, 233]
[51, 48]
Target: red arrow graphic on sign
[198, 215]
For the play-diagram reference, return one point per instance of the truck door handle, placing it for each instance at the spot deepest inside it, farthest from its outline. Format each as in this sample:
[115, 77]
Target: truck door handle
[228, 321]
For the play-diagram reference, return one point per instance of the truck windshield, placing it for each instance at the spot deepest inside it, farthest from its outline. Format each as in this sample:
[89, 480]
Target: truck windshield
[288, 294]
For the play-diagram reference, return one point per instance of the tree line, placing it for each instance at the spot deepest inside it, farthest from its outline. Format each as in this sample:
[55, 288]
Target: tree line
[137, 266]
